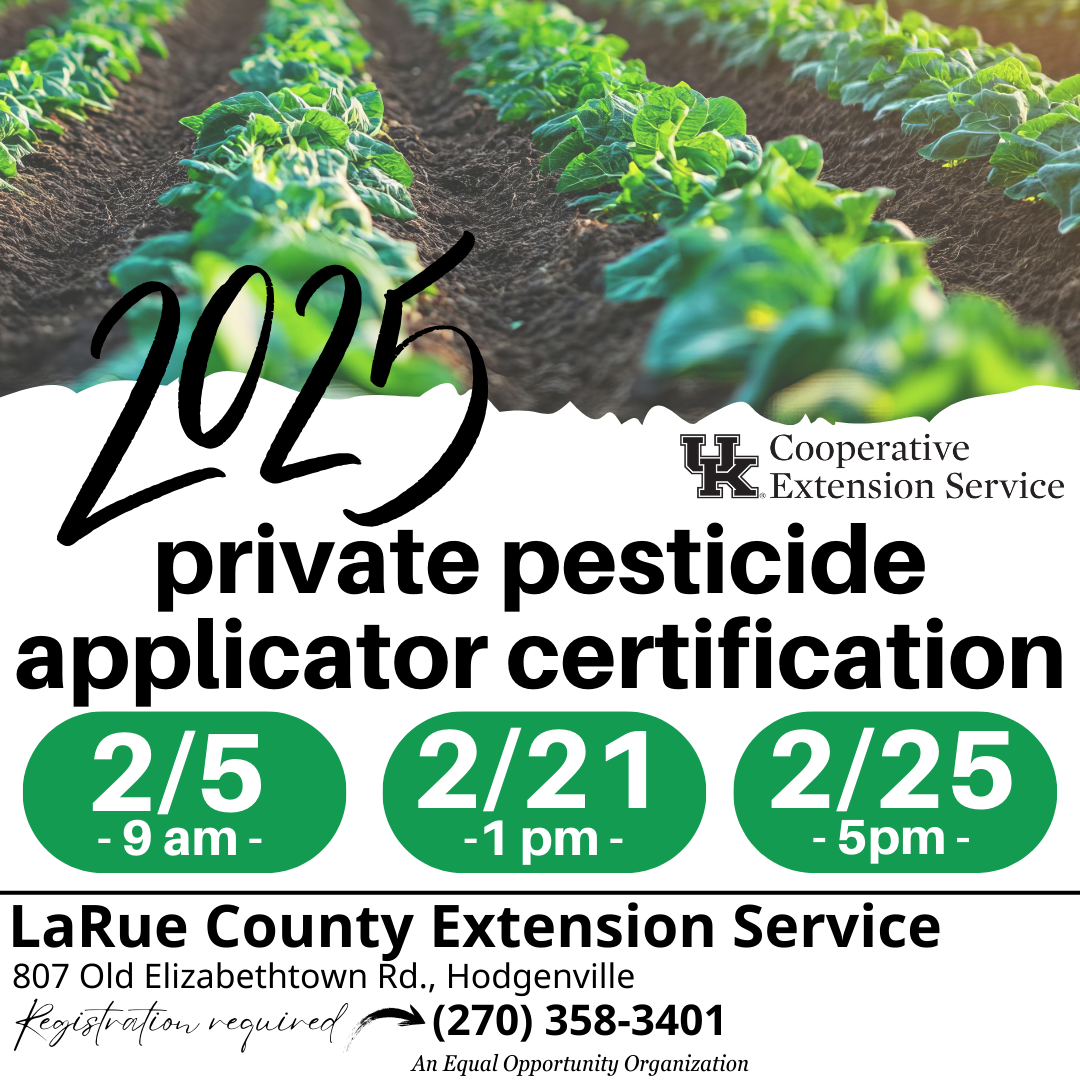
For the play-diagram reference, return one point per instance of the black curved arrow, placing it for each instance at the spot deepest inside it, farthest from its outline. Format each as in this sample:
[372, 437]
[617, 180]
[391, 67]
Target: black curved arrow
[408, 1019]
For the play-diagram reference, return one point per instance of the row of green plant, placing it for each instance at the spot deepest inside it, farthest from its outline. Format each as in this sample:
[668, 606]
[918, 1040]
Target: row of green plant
[67, 69]
[776, 283]
[970, 100]
[286, 176]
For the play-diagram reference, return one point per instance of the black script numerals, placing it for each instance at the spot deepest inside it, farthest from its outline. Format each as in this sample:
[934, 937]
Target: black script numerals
[82, 519]
[387, 351]
[274, 468]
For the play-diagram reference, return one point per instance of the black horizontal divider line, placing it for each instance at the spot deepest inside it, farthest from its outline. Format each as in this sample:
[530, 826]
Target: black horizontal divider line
[540, 892]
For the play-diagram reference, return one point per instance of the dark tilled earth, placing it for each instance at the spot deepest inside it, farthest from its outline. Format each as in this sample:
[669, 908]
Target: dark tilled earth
[531, 292]
[90, 196]
[984, 242]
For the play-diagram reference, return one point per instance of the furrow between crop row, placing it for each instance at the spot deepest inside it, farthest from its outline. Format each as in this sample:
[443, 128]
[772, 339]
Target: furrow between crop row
[982, 242]
[91, 196]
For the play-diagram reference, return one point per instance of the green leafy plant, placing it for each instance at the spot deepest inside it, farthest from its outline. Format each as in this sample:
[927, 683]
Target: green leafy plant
[67, 70]
[970, 99]
[286, 176]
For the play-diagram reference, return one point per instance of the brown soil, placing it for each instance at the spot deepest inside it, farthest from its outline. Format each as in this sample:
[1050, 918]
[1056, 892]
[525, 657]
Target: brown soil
[91, 196]
[984, 242]
[15, 23]
[1057, 48]
[536, 262]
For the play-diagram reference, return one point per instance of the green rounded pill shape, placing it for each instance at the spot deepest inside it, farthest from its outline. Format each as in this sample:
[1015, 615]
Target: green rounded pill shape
[544, 793]
[184, 793]
[895, 792]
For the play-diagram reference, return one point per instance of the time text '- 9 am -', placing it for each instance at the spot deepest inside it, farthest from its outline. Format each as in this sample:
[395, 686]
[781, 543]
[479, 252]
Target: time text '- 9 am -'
[82, 519]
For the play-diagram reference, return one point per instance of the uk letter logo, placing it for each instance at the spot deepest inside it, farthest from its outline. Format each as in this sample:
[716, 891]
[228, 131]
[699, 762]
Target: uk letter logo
[720, 470]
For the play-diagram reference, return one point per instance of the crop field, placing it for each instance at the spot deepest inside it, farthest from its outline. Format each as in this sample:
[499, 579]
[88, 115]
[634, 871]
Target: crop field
[856, 212]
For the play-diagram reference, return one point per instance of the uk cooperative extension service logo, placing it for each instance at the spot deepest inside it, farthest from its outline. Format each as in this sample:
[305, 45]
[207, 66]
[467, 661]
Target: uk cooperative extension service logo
[723, 470]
